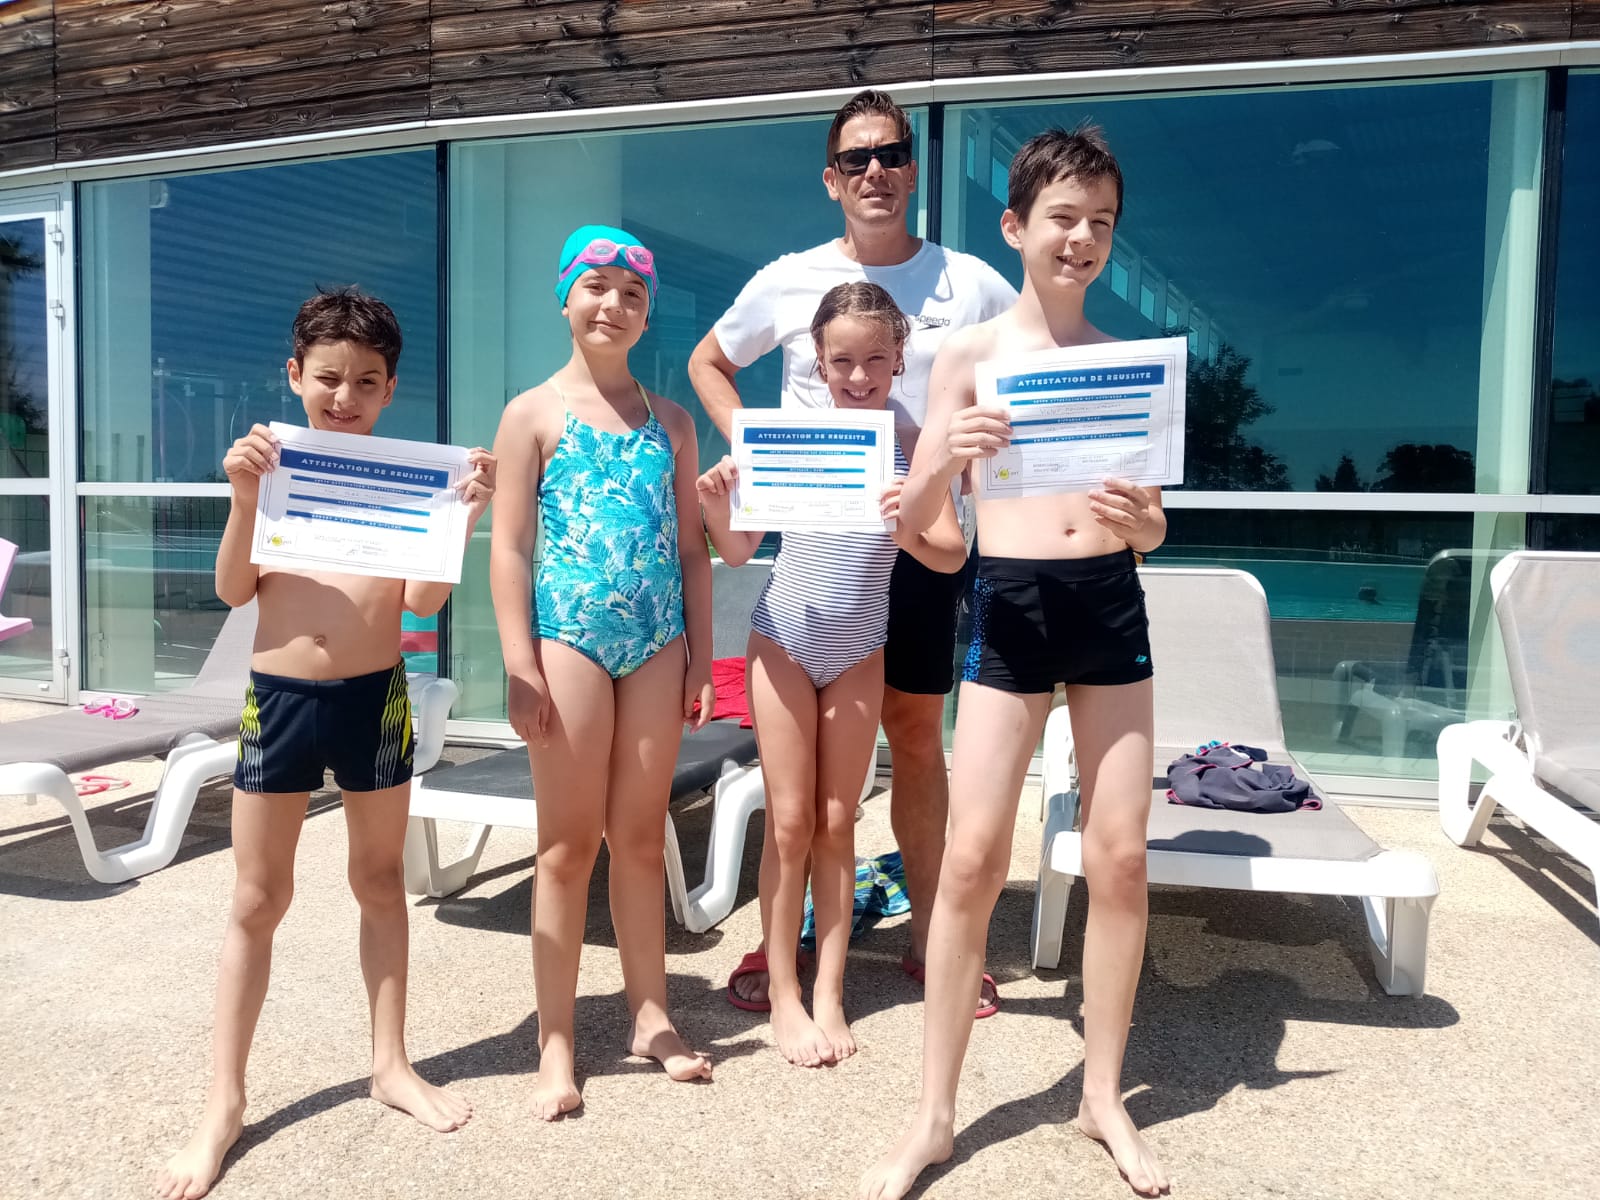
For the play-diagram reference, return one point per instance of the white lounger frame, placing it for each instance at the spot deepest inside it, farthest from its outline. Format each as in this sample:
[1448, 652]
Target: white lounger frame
[737, 795]
[1512, 784]
[1397, 888]
[196, 760]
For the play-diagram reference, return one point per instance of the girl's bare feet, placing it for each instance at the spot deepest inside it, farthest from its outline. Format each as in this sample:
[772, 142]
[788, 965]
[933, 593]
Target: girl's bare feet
[555, 1089]
[191, 1171]
[666, 1046]
[829, 1017]
[923, 1145]
[436, 1107]
[1108, 1123]
[799, 1039]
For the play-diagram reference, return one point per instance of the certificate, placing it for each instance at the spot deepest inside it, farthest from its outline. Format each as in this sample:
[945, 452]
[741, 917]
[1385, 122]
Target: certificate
[362, 505]
[1081, 413]
[812, 469]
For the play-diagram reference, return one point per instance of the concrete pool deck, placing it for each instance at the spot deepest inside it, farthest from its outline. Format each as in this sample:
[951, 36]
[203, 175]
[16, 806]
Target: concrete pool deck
[1264, 1059]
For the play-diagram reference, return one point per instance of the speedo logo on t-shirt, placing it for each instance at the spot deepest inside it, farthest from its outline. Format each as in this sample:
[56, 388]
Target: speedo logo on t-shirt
[924, 322]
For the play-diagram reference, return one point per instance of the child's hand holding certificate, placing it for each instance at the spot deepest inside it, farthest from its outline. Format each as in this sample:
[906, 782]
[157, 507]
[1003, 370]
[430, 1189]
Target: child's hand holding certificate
[363, 505]
[816, 469]
[1080, 414]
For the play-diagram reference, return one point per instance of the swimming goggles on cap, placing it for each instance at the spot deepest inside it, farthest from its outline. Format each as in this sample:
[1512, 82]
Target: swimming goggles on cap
[603, 252]
[889, 155]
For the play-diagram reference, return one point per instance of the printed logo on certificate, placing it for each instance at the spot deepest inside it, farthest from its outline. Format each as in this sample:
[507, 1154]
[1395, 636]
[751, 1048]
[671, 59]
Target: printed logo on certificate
[811, 469]
[362, 505]
[1081, 413]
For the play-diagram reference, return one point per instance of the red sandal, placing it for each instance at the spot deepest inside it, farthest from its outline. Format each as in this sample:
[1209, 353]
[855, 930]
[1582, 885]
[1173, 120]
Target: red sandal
[988, 992]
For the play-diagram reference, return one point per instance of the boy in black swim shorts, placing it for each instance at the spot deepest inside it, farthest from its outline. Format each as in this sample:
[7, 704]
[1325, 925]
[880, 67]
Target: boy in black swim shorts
[1055, 601]
[327, 690]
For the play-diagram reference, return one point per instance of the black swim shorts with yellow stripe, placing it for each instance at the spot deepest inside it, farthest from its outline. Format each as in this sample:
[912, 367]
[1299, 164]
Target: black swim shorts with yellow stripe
[293, 730]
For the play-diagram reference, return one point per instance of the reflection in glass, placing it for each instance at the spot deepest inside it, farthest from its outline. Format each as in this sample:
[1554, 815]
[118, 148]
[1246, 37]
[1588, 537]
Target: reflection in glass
[511, 206]
[1381, 624]
[150, 600]
[1568, 532]
[24, 374]
[1348, 279]
[191, 283]
[25, 521]
[1574, 441]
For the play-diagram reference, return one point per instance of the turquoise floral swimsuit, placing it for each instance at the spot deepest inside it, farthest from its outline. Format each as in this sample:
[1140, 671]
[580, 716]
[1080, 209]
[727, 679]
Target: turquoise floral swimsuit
[610, 583]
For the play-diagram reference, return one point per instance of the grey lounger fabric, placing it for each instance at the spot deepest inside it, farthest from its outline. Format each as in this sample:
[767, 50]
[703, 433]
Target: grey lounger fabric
[76, 741]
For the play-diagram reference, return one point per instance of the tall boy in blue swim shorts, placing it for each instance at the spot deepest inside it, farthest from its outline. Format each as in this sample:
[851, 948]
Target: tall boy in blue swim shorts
[327, 691]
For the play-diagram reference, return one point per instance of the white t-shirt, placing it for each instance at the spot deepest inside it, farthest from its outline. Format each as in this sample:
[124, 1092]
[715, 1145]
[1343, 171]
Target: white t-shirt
[939, 290]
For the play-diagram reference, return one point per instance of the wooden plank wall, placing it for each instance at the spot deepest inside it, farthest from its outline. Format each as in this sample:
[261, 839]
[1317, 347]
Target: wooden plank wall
[91, 78]
[27, 82]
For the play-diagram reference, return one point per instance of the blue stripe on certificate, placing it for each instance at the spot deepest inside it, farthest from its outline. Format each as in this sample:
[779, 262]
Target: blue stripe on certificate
[808, 436]
[1102, 418]
[314, 516]
[351, 485]
[1104, 396]
[343, 503]
[1083, 437]
[785, 483]
[359, 468]
[811, 470]
[1145, 374]
[815, 453]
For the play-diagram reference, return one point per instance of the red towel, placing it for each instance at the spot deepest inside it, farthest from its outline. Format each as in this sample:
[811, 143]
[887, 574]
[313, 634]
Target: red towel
[727, 676]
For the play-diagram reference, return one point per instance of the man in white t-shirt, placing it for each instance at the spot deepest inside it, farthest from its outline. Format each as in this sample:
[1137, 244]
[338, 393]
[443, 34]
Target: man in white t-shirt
[871, 172]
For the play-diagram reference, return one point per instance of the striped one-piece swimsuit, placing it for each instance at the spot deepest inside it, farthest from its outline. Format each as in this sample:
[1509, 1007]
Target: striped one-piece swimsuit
[827, 599]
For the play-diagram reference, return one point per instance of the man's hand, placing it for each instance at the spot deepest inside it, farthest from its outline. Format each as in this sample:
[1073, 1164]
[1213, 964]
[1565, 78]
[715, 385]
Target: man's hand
[247, 460]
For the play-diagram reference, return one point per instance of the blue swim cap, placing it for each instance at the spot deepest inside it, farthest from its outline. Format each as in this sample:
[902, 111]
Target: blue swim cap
[604, 246]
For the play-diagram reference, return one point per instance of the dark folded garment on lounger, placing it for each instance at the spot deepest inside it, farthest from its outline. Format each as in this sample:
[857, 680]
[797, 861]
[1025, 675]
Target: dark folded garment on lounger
[1237, 778]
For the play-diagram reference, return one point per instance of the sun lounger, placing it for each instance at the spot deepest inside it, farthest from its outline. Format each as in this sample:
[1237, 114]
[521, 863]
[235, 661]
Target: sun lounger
[497, 790]
[1544, 766]
[9, 626]
[1421, 695]
[196, 729]
[1215, 678]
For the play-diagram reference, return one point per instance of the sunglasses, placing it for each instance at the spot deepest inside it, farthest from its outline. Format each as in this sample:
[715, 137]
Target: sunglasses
[603, 252]
[889, 155]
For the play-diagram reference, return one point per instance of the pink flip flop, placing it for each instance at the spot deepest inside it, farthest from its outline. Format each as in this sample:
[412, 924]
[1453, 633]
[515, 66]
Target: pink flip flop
[988, 993]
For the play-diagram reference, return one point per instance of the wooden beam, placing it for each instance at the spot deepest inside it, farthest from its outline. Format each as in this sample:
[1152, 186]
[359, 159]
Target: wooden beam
[1000, 37]
[27, 84]
[500, 57]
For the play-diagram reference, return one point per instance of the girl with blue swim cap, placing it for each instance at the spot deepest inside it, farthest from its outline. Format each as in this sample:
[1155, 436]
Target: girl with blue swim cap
[608, 648]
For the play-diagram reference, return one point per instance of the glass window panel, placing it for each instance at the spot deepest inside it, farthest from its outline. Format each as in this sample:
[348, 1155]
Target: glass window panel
[25, 521]
[1569, 532]
[191, 283]
[1381, 624]
[1368, 254]
[150, 599]
[511, 206]
[1574, 431]
[24, 363]
[1119, 279]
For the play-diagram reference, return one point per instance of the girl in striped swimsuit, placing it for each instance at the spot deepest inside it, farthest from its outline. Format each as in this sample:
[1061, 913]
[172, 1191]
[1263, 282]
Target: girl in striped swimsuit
[815, 679]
